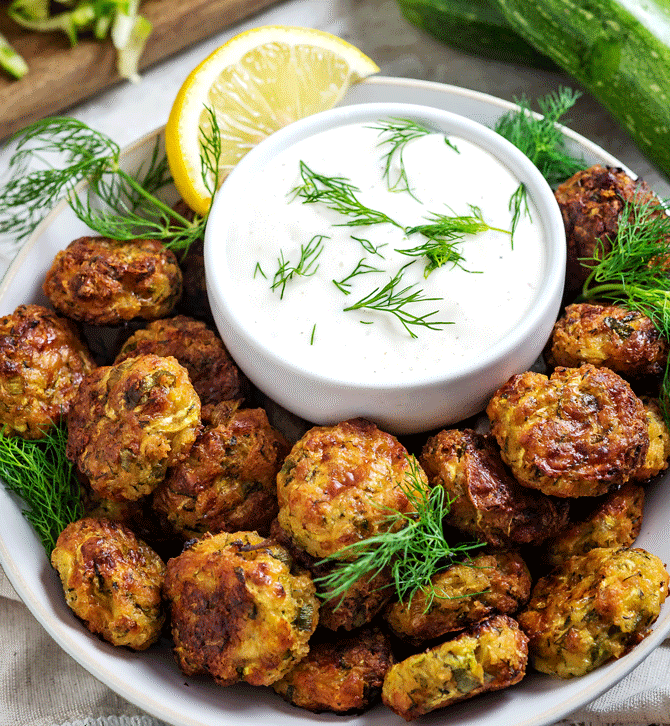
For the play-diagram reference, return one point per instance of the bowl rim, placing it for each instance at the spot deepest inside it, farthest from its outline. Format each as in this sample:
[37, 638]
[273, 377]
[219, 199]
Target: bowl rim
[551, 287]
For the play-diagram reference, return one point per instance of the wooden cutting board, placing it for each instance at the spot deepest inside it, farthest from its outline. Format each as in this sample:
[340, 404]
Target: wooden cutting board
[61, 76]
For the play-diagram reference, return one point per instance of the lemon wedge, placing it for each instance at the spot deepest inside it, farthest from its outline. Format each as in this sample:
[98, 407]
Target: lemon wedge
[258, 82]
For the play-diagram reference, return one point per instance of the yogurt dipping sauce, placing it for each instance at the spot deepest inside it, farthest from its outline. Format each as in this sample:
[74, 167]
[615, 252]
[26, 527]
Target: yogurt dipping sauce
[476, 304]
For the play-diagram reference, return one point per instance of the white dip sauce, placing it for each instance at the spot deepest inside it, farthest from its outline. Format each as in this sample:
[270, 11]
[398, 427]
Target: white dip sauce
[309, 325]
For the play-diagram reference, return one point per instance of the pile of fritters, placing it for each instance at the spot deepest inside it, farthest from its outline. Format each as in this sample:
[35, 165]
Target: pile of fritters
[206, 525]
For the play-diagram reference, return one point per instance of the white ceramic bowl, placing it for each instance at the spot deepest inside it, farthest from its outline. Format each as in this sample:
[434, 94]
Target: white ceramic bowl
[406, 405]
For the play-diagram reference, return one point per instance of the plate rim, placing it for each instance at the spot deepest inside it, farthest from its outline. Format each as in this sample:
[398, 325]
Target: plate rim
[610, 674]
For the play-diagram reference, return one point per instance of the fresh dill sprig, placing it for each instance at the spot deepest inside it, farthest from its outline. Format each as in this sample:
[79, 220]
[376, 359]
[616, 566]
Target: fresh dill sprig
[304, 267]
[397, 133]
[389, 299]
[38, 471]
[210, 152]
[541, 138]
[338, 194]
[542, 141]
[362, 268]
[369, 247]
[116, 204]
[413, 547]
[443, 233]
[634, 273]
[518, 206]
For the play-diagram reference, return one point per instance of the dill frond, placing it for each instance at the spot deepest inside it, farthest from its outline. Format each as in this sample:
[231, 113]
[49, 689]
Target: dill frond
[443, 232]
[116, 204]
[635, 272]
[304, 267]
[541, 139]
[389, 299]
[413, 547]
[38, 471]
[397, 133]
[362, 268]
[338, 194]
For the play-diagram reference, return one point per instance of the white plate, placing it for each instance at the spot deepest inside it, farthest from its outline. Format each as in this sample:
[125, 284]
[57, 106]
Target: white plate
[151, 679]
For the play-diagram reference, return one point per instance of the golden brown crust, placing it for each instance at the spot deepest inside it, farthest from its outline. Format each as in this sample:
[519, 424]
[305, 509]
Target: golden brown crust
[591, 202]
[342, 675]
[101, 281]
[462, 595]
[237, 611]
[593, 608]
[574, 434]
[338, 483]
[486, 502]
[615, 522]
[112, 581]
[357, 606]
[42, 363]
[130, 422]
[228, 482]
[622, 340]
[658, 453]
[199, 349]
[489, 656]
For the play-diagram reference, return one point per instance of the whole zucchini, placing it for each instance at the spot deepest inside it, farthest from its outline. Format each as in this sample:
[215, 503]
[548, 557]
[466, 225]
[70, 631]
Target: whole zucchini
[473, 26]
[619, 50]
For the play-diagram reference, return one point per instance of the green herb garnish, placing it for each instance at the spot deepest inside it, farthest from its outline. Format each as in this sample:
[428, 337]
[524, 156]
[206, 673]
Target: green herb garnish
[130, 206]
[541, 140]
[413, 546]
[304, 267]
[634, 273]
[388, 299]
[362, 268]
[369, 247]
[443, 232]
[39, 472]
[338, 194]
[116, 204]
[397, 133]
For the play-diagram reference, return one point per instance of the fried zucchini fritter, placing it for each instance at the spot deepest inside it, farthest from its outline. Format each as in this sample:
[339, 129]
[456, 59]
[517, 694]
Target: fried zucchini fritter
[338, 483]
[42, 363]
[656, 459]
[462, 595]
[571, 435]
[130, 422]
[591, 202]
[486, 502]
[489, 656]
[199, 349]
[593, 608]
[100, 281]
[612, 336]
[357, 606]
[112, 581]
[238, 612]
[615, 522]
[342, 675]
[228, 482]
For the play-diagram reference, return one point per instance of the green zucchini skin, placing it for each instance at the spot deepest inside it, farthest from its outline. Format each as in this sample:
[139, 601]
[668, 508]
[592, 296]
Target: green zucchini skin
[473, 26]
[618, 50]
